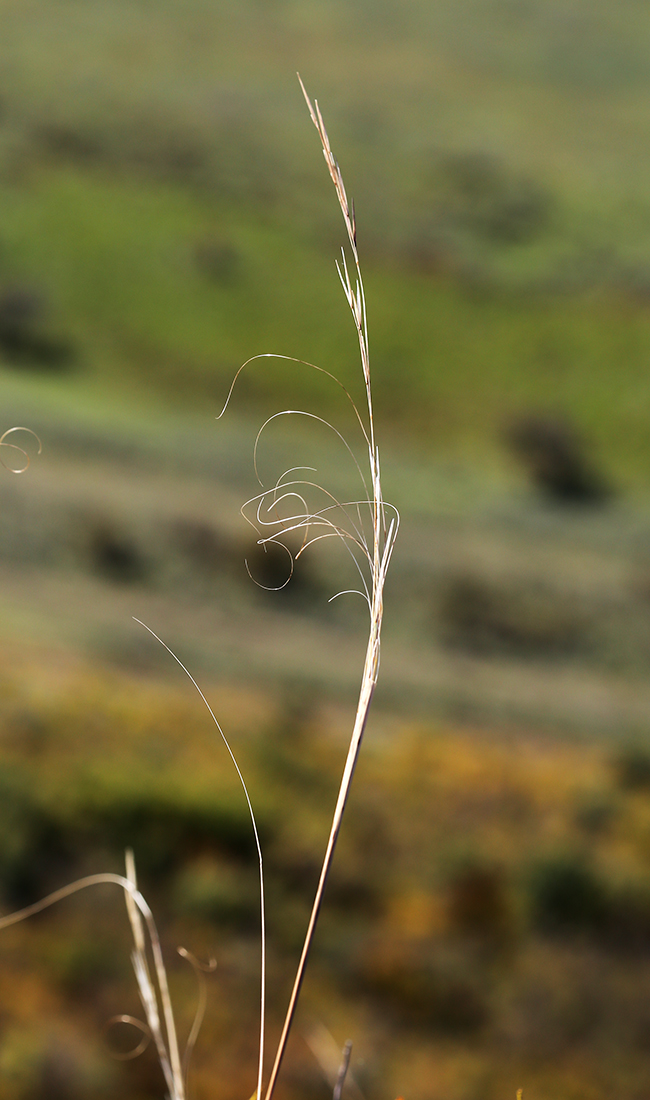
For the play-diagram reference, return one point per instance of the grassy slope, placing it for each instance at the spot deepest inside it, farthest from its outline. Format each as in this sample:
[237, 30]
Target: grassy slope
[110, 235]
[130, 139]
[123, 284]
[451, 947]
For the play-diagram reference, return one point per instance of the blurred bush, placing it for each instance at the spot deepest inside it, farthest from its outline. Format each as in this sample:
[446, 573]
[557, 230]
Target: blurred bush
[217, 260]
[476, 192]
[631, 766]
[217, 891]
[114, 556]
[523, 618]
[555, 460]
[447, 923]
[567, 895]
[24, 337]
[423, 987]
[478, 901]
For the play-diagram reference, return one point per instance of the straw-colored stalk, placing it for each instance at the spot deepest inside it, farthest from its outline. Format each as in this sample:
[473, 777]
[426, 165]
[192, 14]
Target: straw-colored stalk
[377, 552]
[363, 528]
[153, 995]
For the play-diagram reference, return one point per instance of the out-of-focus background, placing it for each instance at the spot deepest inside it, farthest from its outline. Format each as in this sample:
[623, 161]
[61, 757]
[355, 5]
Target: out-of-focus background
[165, 214]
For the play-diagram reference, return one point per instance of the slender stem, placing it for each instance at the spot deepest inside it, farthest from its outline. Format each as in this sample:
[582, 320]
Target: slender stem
[258, 847]
[343, 1070]
[379, 560]
[365, 698]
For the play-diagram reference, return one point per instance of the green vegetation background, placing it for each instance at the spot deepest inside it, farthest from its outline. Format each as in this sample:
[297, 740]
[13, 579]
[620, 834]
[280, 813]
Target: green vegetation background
[164, 215]
[160, 187]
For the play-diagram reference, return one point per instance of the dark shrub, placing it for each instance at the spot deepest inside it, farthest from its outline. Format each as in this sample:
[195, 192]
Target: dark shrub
[481, 195]
[275, 569]
[34, 848]
[164, 828]
[217, 260]
[219, 892]
[66, 142]
[554, 458]
[628, 922]
[114, 556]
[524, 618]
[567, 896]
[632, 768]
[596, 812]
[23, 338]
[423, 988]
[207, 548]
[477, 901]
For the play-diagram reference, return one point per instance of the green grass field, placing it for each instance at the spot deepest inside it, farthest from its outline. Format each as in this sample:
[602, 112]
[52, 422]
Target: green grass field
[160, 188]
[117, 261]
[164, 215]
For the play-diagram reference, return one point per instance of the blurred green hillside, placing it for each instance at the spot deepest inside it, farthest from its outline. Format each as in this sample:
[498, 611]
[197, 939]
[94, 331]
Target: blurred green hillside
[164, 213]
[164, 216]
[487, 922]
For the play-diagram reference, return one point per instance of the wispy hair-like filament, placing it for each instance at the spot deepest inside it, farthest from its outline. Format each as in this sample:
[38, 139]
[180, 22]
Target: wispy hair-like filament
[258, 847]
[26, 460]
[154, 996]
[377, 550]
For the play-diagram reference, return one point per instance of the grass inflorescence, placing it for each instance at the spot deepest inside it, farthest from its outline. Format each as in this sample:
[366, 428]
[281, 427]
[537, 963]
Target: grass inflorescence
[367, 527]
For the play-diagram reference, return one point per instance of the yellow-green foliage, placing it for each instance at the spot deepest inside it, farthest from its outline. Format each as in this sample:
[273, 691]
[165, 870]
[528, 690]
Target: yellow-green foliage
[452, 946]
[148, 167]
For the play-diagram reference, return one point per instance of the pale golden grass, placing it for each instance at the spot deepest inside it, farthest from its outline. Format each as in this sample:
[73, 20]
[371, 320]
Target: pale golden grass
[367, 527]
[153, 990]
[377, 552]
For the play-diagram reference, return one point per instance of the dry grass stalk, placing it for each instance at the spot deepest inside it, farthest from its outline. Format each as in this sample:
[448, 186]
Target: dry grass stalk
[378, 553]
[363, 528]
[154, 994]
